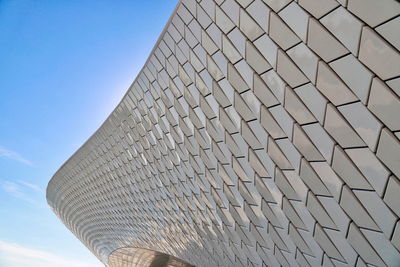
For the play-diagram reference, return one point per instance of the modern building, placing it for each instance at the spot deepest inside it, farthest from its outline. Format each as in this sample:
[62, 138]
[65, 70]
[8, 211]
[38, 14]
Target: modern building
[258, 133]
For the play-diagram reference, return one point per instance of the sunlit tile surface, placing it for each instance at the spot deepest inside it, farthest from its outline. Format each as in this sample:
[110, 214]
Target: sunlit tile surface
[258, 133]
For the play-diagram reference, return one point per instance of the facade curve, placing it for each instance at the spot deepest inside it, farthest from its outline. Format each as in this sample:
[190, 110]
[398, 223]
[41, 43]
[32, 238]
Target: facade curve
[258, 133]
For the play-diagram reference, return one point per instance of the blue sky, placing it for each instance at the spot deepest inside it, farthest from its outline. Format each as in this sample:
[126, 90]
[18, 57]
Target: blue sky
[64, 66]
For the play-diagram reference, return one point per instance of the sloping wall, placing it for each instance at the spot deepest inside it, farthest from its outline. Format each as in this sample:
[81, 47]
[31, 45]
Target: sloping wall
[259, 132]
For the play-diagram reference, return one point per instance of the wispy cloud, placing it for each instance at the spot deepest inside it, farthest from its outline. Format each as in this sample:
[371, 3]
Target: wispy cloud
[6, 153]
[12, 254]
[13, 189]
[31, 186]
[20, 189]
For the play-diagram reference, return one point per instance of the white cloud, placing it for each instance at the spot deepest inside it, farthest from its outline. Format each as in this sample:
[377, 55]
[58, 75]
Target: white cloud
[15, 190]
[19, 189]
[5, 153]
[12, 254]
[31, 186]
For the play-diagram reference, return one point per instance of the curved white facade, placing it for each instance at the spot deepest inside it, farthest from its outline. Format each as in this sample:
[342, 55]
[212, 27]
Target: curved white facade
[258, 133]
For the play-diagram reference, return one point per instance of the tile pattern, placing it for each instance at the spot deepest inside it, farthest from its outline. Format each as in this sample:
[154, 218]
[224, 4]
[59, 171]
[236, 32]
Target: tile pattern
[127, 257]
[258, 133]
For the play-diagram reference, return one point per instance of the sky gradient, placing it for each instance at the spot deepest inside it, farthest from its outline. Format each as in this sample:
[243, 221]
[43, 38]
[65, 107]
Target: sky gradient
[64, 67]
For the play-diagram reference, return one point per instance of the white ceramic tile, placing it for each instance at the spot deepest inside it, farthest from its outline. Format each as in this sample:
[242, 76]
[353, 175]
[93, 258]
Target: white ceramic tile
[250, 138]
[376, 174]
[394, 84]
[236, 80]
[283, 118]
[304, 145]
[356, 211]
[324, 43]
[289, 71]
[296, 237]
[244, 3]
[317, 251]
[223, 21]
[326, 244]
[276, 84]
[363, 122]
[362, 246]
[348, 253]
[252, 102]
[255, 59]
[191, 6]
[209, 7]
[361, 263]
[355, 75]
[238, 40]
[296, 182]
[337, 214]
[296, 18]
[221, 62]
[208, 43]
[184, 14]
[329, 177]
[226, 91]
[305, 59]
[389, 31]
[215, 34]
[231, 8]
[318, 8]
[347, 171]
[340, 130]
[268, 49]
[203, 18]
[195, 28]
[382, 245]
[374, 12]
[392, 195]
[263, 93]
[260, 12]
[243, 109]
[378, 211]
[396, 236]
[276, 5]
[212, 67]
[329, 84]
[384, 104]
[290, 152]
[320, 139]
[245, 71]
[270, 125]
[313, 99]
[319, 212]
[389, 151]
[249, 27]
[345, 27]
[281, 161]
[296, 108]
[281, 33]
[378, 55]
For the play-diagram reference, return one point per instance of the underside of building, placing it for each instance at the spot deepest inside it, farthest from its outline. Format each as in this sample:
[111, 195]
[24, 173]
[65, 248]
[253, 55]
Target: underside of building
[258, 133]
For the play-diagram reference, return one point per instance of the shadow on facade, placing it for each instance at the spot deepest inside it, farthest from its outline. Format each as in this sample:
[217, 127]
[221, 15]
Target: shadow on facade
[132, 257]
